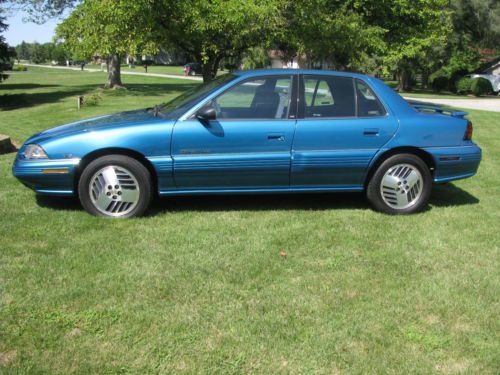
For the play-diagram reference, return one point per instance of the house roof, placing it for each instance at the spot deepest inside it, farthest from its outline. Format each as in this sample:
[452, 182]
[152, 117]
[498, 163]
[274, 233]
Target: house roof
[493, 64]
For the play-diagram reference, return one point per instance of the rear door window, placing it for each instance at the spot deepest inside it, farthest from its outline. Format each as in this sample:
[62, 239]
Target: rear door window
[329, 96]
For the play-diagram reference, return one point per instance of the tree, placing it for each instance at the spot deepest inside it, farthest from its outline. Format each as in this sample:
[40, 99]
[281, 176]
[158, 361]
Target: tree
[412, 27]
[6, 53]
[111, 29]
[23, 51]
[476, 26]
[59, 54]
[327, 31]
[210, 31]
[38, 53]
[256, 58]
[40, 11]
[476, 22]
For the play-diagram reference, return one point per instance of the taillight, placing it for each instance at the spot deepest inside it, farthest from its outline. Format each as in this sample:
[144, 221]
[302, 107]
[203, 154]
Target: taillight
[468, 131]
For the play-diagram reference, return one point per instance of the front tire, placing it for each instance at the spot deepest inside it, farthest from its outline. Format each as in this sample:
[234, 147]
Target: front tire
[115, 186]
[402, 184]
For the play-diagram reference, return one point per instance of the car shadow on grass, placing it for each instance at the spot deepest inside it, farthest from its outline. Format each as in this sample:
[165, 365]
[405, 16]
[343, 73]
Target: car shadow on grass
[446, 195]
[261, 202]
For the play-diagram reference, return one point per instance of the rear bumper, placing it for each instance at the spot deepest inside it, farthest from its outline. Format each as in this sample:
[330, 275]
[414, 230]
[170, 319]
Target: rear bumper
[454, 163]
[47, 176]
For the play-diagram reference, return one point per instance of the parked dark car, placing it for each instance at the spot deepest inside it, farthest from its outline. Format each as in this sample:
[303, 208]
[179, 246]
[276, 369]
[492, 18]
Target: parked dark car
[192, 69]
[78, 63]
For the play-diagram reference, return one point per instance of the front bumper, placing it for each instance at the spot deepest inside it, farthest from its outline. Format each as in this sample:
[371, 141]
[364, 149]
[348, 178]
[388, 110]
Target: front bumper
[47, 176]
[454, 163]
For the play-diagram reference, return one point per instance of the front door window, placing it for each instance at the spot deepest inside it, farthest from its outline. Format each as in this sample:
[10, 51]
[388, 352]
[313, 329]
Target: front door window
[258, 98]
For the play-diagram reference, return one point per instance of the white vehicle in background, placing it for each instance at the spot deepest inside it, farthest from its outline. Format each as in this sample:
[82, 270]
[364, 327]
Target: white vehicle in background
[494, 79]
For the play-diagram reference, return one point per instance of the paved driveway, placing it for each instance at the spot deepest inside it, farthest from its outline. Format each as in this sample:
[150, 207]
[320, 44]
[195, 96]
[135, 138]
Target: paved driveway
[482, 104]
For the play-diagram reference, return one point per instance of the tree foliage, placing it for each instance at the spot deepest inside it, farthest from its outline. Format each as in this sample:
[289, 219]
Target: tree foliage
[327, 31]
[6, 53]
[476, 22]
[39, 11]
[209, 31]
[110, 29]
[391, 36]
[41, 53]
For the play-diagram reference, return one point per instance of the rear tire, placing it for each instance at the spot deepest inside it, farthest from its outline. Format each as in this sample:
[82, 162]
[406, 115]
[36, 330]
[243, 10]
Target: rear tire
[402, 184]
[115, 186]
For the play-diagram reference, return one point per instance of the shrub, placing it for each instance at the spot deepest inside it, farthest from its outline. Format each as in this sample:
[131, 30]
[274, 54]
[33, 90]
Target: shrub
[481, 86]
[19, 68]
[463, 85]
[92, 99]
[439, 83]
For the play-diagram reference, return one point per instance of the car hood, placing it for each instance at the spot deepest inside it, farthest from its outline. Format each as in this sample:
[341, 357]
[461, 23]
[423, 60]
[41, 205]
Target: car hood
[123, 119]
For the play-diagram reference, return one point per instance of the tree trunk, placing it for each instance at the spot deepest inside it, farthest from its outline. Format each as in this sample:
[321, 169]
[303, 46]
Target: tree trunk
[207, 71]
[404, 78]
[215, 66]
[425, 79]
[114, 74]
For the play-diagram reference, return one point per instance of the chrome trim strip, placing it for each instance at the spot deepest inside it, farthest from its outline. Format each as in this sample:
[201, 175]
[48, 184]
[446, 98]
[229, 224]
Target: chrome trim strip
[54, 192]
[352, 188]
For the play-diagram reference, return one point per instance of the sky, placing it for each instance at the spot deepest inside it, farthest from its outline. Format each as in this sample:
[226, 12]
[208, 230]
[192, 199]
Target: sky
[28, 31]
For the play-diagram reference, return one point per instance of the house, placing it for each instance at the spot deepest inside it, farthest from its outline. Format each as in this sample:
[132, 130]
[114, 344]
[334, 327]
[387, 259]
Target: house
[492, 68]
[279, 61]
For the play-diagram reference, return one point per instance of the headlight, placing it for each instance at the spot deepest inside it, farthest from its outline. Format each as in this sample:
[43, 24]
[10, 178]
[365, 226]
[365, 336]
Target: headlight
[34, 152]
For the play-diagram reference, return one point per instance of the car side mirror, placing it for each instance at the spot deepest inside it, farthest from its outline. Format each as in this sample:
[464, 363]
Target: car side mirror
[206, 114]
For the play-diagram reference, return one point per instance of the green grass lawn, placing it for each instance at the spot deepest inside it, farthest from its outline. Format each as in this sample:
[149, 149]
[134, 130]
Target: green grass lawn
[199, 286]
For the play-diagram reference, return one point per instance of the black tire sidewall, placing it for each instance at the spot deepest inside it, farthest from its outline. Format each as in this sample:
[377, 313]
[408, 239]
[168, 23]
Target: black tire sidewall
[139, 171]
[373, 189]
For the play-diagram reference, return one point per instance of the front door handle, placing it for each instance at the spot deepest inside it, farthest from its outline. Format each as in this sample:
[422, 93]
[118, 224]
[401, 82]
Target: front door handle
[371, 132]
[276, 137]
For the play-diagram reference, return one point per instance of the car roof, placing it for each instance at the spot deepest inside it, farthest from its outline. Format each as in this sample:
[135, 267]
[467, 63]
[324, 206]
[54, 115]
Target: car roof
[258, 72]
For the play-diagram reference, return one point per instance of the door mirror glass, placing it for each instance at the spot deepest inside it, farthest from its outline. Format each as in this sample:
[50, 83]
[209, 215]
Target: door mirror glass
[206, 114]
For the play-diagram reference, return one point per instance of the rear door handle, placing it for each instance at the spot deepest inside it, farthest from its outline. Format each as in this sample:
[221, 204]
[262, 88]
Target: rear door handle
[276, 137]
[371, 132]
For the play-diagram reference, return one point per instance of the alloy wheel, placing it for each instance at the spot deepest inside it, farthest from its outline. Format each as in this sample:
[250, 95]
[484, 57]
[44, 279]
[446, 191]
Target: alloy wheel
[401, 186]
[114, 191]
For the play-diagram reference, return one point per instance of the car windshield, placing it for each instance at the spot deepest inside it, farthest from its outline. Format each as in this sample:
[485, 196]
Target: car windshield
[179, 105]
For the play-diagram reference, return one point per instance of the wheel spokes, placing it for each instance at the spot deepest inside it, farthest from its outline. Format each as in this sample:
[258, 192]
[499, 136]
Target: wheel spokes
[129, 195]
[401, 186]
[114, 191]
[412, 179]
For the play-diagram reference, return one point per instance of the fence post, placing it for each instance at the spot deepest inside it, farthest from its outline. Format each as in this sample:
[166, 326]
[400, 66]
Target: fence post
[79, 99]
